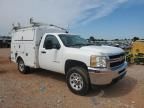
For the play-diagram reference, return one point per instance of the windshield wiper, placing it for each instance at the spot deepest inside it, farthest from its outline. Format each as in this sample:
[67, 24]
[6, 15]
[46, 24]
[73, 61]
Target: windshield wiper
[79, 45]
[89, 44]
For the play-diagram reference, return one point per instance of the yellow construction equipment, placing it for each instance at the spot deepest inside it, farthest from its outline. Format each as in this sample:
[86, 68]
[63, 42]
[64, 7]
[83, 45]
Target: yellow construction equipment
[137, 51]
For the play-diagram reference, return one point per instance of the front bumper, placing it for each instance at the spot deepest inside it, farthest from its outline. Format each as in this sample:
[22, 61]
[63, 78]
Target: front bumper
[105, 76]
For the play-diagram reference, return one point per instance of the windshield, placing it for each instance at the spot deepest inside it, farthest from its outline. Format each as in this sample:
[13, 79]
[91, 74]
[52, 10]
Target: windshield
[73, 40]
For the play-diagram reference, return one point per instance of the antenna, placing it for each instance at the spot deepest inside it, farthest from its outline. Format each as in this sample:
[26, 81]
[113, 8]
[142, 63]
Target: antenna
[31, 20]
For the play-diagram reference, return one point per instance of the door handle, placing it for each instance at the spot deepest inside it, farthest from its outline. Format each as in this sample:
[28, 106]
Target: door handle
[43, 52]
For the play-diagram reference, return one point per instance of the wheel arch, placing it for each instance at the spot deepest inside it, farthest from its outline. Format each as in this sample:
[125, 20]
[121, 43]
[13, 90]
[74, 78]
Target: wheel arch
[72, 63]
[19, 58]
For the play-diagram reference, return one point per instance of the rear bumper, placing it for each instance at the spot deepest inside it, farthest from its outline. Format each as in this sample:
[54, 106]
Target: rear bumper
[106, 76]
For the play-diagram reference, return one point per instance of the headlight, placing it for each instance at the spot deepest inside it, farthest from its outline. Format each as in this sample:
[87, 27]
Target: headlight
[101, 62]
[98, 61]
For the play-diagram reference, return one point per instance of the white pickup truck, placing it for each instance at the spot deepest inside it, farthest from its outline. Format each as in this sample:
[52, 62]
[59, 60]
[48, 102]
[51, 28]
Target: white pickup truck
[82, 63]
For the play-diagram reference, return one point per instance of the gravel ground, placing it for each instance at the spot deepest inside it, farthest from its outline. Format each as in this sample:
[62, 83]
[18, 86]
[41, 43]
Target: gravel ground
[45, 89]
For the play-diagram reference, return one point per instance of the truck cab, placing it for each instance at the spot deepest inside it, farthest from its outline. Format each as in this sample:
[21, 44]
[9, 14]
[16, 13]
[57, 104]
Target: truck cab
[82, 63]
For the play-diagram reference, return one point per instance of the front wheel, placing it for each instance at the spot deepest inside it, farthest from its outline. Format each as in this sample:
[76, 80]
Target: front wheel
[22, 68]
[78, 80]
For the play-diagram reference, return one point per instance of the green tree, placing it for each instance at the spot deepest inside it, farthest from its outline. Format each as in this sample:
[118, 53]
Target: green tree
[91, 38]
[135, 38]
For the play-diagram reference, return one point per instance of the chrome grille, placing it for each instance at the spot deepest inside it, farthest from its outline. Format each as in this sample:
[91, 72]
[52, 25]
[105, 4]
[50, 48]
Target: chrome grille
[116, 60]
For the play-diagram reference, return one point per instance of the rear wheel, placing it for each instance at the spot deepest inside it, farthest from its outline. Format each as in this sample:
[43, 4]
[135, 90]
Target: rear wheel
[22, 68]
[78, 80]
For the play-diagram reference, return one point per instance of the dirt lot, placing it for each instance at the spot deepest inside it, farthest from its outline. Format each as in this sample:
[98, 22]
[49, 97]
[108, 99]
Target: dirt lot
[45, 89]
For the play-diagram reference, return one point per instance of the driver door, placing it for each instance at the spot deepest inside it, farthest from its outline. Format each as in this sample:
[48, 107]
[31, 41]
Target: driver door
[50, 54]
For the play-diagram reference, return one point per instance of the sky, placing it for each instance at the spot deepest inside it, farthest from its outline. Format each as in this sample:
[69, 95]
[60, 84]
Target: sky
[108, 19]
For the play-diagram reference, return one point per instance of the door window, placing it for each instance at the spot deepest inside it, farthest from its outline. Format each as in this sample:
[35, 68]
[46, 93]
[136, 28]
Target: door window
[53, 39]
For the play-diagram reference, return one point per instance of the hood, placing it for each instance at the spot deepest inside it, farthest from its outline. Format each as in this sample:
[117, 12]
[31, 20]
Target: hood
[103, 50]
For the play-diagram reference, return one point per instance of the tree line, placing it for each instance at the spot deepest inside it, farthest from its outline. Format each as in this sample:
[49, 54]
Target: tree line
[92, 38]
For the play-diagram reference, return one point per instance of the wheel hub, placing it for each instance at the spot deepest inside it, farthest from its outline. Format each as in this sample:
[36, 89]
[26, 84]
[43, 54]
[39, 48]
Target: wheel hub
[76, 81]
[21, 66]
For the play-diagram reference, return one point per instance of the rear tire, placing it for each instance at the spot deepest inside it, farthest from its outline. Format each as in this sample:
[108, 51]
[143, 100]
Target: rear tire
[78, 80]
[22, 68]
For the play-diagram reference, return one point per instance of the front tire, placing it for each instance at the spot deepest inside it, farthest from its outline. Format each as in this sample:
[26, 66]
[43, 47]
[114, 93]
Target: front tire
[22, 68]
[78, 80]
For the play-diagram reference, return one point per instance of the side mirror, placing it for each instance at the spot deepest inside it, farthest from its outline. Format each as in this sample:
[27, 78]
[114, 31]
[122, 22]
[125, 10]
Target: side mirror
[48, 44]
[57, 46]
